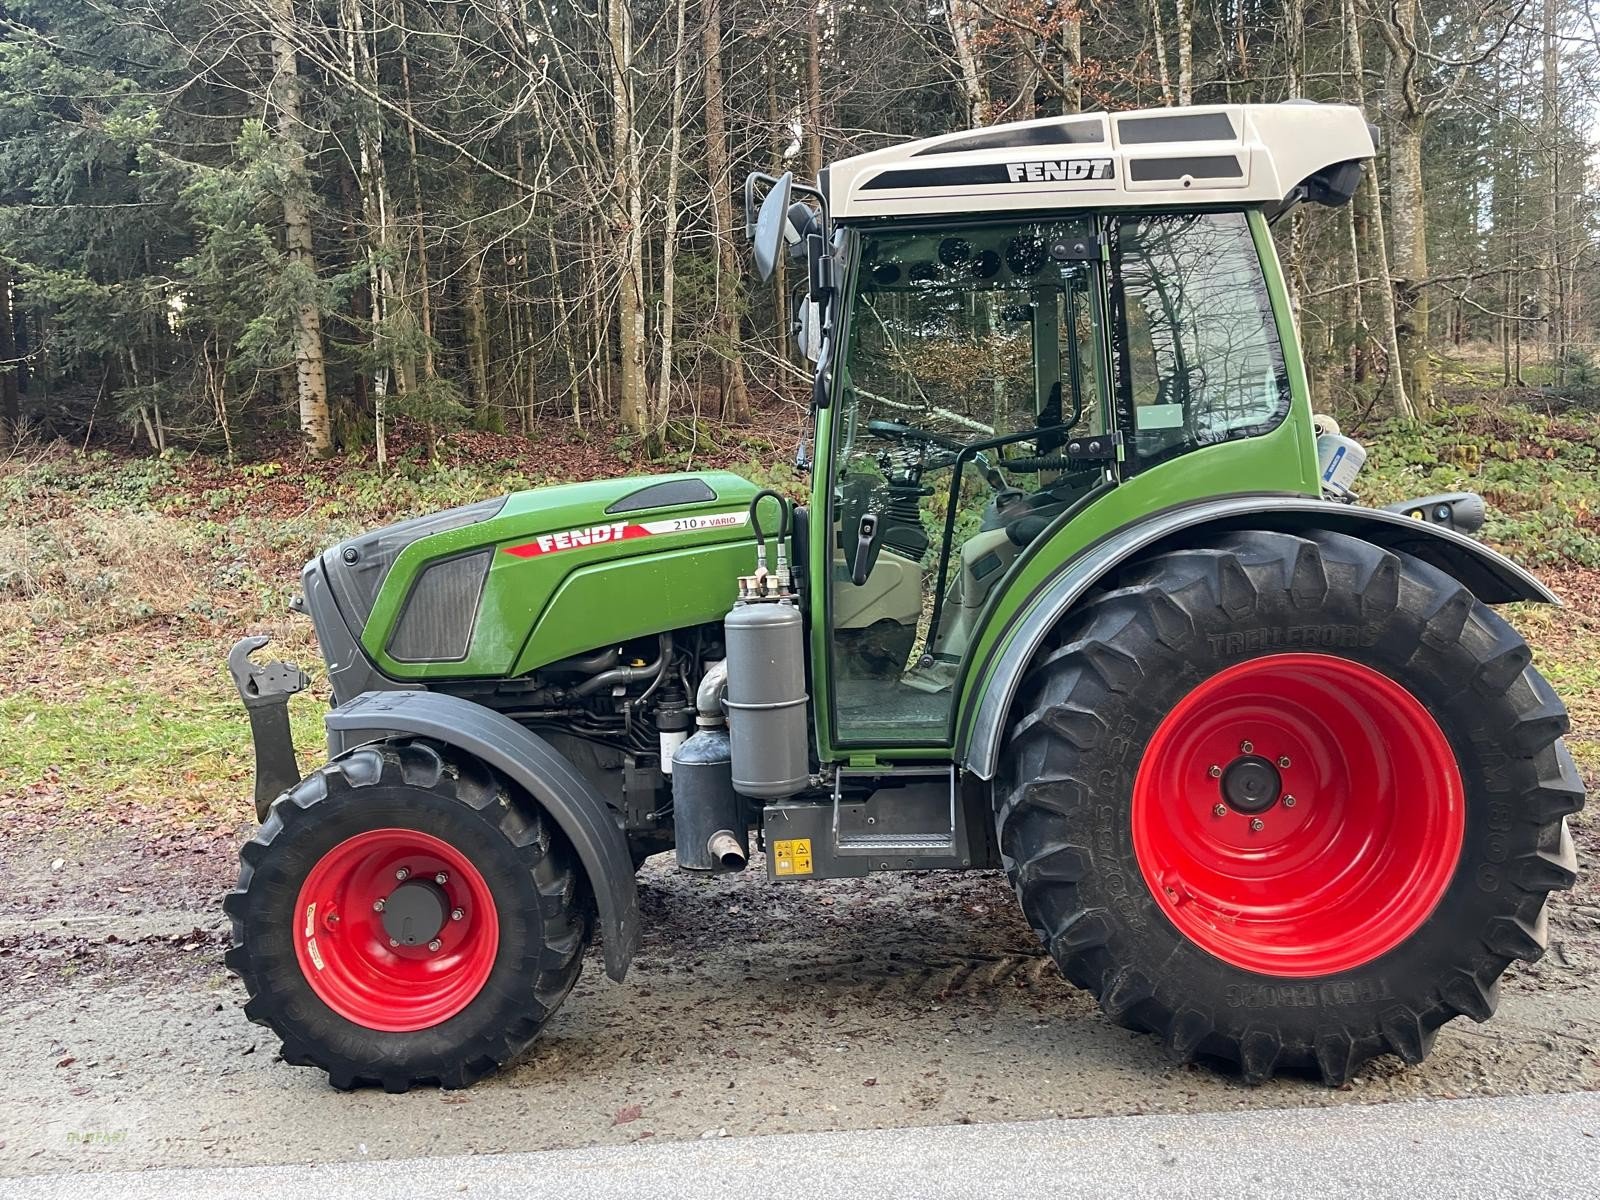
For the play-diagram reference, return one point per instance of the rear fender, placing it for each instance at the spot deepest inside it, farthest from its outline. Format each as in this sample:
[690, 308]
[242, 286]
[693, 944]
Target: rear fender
[534, 765]
[1490, 576]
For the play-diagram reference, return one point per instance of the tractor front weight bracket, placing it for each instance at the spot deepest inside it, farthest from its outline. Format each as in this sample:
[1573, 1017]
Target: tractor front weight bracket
[265, 691]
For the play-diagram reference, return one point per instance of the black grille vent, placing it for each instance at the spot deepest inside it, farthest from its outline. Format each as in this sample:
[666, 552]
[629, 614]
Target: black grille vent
[436, 623]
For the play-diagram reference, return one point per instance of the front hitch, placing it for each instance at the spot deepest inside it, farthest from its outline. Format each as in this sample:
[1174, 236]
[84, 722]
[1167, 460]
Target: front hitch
[265, 692]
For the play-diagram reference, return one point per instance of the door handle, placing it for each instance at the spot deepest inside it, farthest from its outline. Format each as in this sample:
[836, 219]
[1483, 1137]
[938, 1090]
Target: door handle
[866, 537]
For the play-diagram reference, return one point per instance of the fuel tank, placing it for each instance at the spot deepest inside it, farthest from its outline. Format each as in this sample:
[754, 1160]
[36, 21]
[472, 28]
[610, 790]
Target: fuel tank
[505, 586]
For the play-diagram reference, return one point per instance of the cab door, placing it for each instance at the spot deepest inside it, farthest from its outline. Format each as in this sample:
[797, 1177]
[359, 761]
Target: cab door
[970, 413]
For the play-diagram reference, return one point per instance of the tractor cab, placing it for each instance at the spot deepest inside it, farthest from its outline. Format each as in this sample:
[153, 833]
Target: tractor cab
[1011, 324]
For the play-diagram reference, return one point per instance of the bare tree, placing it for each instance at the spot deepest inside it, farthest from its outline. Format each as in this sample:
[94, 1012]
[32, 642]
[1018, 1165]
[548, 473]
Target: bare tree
[283, 98]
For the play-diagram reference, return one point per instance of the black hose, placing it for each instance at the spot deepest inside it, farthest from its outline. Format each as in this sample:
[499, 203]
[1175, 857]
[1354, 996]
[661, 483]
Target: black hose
[588, 664]
[755, 516]
[628, 674]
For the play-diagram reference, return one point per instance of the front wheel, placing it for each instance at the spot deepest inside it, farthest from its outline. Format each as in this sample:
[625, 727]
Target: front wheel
[1288, 802]
[403, 918]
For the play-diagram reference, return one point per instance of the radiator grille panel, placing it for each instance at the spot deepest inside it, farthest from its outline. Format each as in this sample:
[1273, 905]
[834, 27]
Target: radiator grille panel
[436, 623]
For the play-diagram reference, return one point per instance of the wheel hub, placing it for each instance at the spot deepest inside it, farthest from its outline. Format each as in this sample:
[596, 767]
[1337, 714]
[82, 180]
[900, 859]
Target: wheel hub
[415, 912]
[1251, 785]
[396, 929]
[1298, 814]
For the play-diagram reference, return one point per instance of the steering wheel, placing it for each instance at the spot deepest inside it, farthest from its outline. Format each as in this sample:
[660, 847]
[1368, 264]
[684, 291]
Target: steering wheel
[910, 433]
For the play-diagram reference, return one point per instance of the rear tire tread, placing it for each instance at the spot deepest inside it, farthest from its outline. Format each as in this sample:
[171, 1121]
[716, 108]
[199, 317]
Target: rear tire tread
[1155, 602]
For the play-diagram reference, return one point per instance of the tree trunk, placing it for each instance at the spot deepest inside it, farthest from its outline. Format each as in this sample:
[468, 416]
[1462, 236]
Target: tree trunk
[813, 90]
[1185, 51]
[1159, 34]
[10, 402]
[1550, 193]
[1410, 265]
[780, 273]
[627, 220]
[1369, 212]
[669, 236]
[1408, 216]
[735, 396]
[963, 20]
[1072, 64]
[389, 367]
[283, 98]
[424, 298]
[475, 332]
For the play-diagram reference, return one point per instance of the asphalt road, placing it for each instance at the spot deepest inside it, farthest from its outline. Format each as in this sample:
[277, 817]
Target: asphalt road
[1543, 1146]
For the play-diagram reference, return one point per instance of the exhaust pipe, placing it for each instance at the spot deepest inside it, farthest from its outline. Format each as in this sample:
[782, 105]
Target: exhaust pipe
[728, 850]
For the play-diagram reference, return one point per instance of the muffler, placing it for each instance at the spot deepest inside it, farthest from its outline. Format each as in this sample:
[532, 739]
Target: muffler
[708, 816]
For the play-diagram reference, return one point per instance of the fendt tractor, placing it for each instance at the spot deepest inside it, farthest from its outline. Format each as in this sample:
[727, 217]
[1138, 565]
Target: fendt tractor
[1082, 592]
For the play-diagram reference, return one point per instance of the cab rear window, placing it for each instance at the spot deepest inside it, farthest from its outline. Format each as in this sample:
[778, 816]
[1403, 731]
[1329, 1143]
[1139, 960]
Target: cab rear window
[1202, 362]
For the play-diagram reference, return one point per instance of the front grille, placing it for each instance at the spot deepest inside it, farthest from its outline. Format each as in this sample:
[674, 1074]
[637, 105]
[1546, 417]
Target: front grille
[436, 622]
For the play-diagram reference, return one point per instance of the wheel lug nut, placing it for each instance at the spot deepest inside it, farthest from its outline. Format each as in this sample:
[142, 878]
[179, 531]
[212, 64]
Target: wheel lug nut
[403, 874]
[456, 914]
[1247, 747]
[394, 943]
[377, 906]
[1257, 824]
[1215, 772]
[434, 945]
[441, 879]
[1220, 810]
[1288, 801]
[1283, 760]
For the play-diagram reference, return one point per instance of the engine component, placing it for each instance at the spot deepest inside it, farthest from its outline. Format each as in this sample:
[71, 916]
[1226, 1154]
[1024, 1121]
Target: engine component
[674, 718]
[709, 821]
[1339, 460]
[767, 697]
[708, 818]
[1461, 511]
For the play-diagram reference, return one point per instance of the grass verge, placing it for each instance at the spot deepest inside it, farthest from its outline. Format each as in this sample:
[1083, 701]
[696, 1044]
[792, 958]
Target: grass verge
[124, 581]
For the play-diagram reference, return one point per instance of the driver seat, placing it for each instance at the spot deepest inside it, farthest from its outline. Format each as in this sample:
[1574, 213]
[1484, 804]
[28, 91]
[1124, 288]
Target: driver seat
[1030, 516]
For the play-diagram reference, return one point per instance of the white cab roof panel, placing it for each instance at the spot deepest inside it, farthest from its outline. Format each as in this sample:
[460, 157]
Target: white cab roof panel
[1215, 154]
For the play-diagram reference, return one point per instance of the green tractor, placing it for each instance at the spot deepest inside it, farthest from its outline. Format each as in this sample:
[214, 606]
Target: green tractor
[1081, 593]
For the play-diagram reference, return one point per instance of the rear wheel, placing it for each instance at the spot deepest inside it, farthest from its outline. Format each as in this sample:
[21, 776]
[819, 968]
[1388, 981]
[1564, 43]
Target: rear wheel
[1288, 802]
[401, 918]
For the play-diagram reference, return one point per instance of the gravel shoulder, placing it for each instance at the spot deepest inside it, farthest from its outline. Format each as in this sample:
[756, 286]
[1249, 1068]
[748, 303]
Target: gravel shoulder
[752, 1008]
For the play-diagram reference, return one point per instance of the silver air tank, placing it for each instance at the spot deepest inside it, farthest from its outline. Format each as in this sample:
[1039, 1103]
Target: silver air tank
[766, 698]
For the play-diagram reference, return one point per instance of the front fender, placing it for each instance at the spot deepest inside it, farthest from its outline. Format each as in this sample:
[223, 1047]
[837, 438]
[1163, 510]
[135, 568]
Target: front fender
[535, 765]
[1490, 576]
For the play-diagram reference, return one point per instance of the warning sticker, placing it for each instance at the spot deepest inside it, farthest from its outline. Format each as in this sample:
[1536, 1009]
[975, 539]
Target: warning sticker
[622, 531]
[792, 857]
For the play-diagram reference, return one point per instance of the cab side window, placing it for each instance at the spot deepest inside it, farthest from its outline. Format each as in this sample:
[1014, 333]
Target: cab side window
[1202, 358]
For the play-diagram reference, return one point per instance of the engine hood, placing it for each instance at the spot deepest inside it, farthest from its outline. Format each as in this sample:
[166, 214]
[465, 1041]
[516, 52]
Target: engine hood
[460, 593]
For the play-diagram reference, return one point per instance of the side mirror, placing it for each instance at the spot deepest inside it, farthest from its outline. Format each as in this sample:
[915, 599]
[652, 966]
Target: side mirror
[768, 237]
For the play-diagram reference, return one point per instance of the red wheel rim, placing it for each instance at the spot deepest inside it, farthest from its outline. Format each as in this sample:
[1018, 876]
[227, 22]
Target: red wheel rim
[349, 956]
[1356, 847]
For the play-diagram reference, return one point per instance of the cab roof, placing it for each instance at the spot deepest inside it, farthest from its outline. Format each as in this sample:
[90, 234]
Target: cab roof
[1240, 154]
